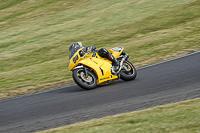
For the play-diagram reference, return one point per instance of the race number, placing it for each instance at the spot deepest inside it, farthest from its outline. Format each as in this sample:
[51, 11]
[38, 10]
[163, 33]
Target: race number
[75, 59]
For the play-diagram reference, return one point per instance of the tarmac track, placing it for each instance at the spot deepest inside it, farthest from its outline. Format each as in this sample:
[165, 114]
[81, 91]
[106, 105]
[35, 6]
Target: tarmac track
[157, 84]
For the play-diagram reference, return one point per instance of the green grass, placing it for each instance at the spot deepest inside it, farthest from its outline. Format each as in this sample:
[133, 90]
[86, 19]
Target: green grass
[35, 36]
[181, 117]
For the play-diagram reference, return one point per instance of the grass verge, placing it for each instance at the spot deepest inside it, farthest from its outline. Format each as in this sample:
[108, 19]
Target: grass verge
[181, 117]
[35, 36]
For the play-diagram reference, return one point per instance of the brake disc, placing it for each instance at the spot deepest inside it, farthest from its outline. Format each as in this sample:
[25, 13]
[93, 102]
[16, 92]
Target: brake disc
[126, 67]
[88, 79]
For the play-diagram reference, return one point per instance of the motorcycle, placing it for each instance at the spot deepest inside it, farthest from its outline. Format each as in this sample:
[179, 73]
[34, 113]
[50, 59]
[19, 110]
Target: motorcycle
[89, 69]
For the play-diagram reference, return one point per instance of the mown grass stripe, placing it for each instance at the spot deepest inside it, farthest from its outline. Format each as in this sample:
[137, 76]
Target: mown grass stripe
[38, 45]
[9, 3]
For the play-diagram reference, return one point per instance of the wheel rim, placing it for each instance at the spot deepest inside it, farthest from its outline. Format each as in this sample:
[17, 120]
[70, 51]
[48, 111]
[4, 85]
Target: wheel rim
[127, 69]
[86, 80]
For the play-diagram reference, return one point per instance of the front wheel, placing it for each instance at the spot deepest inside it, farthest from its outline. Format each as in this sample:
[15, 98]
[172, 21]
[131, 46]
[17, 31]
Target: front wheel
[128, 71]
[81, 80]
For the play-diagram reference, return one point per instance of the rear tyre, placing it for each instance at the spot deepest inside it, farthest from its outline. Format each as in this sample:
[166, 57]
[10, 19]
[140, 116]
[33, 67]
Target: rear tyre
[128, 71]
[88, 83]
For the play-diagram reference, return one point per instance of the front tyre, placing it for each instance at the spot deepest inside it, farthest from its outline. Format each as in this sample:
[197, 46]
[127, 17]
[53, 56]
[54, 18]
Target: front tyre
[86, 83]
[128, 71]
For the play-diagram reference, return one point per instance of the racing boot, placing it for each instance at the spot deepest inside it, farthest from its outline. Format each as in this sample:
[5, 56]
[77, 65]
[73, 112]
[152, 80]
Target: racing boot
[115, 63]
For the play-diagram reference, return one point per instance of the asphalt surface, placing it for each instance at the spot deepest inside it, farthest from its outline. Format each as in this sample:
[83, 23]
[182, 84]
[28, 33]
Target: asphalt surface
[159, 84]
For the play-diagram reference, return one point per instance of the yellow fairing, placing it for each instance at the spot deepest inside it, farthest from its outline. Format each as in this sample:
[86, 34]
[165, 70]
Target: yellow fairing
[101, 66]
[74, 61]
[116, 54]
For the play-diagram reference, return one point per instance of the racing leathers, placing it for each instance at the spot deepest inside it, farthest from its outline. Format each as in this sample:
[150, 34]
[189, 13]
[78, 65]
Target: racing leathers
[104, 53]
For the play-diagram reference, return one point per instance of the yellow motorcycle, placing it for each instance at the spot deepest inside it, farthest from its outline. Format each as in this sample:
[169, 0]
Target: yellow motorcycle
[89, 69]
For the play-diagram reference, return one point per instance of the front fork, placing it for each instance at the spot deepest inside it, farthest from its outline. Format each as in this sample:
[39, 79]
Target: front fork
[85, 69]
[125, 57]
[86, 72]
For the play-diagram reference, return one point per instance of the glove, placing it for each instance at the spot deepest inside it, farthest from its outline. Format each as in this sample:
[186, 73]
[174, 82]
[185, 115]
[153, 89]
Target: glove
[89, 49]
[85, 49]
[93, 48]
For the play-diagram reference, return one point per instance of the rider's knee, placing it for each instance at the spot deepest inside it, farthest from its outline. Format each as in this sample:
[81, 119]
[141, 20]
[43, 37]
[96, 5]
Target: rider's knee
[103, 52]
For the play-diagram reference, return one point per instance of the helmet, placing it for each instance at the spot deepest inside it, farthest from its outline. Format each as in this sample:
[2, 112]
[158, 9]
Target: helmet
[74, 47]
[80, 44]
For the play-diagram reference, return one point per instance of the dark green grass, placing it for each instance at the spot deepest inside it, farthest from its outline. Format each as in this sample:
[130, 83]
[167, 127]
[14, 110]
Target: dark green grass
[9, 3]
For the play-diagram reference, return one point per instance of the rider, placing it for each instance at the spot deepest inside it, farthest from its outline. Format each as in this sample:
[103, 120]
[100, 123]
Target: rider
[103, 53]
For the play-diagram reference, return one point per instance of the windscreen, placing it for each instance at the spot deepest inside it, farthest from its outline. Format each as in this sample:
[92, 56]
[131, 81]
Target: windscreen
[74, 47]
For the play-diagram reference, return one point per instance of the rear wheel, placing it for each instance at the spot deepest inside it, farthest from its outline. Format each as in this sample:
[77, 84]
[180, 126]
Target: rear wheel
[81, 80]
[128, 71]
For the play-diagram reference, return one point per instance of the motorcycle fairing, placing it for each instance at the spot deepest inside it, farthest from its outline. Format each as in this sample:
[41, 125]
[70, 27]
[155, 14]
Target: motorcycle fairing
[74, 60]
[116, 52]
[101, 66]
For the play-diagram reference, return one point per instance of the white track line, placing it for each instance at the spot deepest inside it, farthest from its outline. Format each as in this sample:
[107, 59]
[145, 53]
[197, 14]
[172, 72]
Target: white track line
[192, 53]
